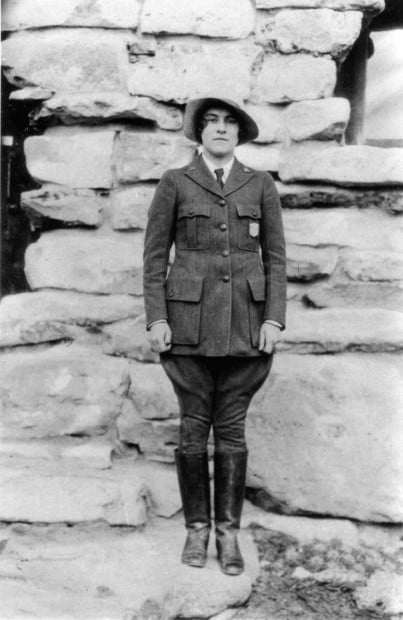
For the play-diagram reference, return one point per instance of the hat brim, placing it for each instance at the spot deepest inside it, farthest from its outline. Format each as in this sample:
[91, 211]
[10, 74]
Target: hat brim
[194, 108]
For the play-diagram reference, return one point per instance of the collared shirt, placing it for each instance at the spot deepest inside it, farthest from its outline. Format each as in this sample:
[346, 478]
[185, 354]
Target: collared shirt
[226, 167]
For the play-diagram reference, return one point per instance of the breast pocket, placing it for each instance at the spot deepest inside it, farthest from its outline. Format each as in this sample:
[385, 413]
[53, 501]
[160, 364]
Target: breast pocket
[184, 309]
[194, 227]
[249, 220]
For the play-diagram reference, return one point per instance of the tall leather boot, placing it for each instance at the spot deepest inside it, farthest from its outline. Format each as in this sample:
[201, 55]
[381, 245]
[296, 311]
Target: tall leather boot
[194, 485]
[229, 491]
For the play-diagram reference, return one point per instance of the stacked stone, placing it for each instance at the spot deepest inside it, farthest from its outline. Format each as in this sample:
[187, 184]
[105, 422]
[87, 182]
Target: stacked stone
[87, 415]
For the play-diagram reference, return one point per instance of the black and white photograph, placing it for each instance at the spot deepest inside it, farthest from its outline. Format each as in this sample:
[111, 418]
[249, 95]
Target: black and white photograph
[201, 310]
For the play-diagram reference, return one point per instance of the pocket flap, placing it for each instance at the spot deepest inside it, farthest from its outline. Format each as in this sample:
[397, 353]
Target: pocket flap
[184, 289]
[252, 211]
[194, 210]
[258, 288]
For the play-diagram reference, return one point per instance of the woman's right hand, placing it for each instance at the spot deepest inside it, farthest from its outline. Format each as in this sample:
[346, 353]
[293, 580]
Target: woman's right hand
[160, 337]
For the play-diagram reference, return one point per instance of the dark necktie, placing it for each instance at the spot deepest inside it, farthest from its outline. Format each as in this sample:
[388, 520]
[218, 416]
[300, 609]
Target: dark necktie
[219, 174]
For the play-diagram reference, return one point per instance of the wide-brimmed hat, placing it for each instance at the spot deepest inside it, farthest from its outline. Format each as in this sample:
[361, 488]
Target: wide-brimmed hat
[249, 129]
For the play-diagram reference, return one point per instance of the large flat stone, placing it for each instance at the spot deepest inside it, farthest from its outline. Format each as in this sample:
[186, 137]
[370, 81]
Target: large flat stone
[284, 78]
[19, 14]
[269, 119]
[167, 77]
[89, 262]
[355, 295]
[305, 263]
[130, 206]
[341, 5]
[68, 59]
[323, 119]
[370, 266]
[91, 572]
[72, 208]
[319, 418]
[129, 338]
[319, 31]
[77, 157]
[63, 390]
[155, 439]
[97, 107]
[203, 18]
[151, 392]
[93, 452]
[347, 165]
[61, 492]
[384, 590]
[261, 157]
[46, 315]
[335, 330]
[142, 155]
[294, 195]
[368, 229]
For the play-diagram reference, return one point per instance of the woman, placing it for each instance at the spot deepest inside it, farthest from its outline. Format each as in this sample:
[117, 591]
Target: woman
[216, 318]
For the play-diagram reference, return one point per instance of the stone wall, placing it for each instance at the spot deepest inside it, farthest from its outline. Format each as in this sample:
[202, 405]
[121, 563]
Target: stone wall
[89, 420]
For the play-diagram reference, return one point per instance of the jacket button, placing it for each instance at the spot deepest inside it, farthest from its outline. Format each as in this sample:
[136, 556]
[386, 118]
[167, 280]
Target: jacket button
[222, 202]
[225, 253]
[225, 279]
[254, 212]
[191, 212]
[170, 294]
[223, 227]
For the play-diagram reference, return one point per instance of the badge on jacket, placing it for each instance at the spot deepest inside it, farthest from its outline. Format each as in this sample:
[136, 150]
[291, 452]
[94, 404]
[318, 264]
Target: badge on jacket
[254, 229]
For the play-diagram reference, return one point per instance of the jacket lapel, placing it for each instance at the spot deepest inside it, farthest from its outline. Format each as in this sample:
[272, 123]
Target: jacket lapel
[200, 174]
[238, 176]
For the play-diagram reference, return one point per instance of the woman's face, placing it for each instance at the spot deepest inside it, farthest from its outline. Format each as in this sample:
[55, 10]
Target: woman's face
[220, 133]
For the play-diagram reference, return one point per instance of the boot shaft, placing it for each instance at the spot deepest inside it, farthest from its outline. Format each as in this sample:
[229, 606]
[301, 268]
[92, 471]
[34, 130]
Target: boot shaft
[229, 488]
[194, 486]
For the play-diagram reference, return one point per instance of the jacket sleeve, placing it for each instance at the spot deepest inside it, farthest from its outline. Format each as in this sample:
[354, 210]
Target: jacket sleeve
[273, 253]
[158, 242]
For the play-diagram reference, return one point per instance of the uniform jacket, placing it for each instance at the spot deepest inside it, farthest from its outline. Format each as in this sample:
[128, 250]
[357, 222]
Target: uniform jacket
[228, 274]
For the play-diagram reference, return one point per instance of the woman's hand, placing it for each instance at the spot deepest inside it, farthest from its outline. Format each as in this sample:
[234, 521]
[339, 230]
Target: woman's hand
[160, 337]
[268, 337]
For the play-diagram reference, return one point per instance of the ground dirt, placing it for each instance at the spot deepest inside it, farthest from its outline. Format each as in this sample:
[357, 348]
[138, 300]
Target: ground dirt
[279, 595]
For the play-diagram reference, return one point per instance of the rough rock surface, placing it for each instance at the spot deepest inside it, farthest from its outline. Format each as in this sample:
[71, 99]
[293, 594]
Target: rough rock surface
[305, 263]
[342, 329]
[294, 195]
[166, 76]
[259, 156]
[46, 315]
[269, 119]
[77, 157]
[348, 165]
[95, 107]
[128, 338]
[323, 119]
[130, 206]
[284, 78]
[368, 229]
[99, 13]
[82, 207]
[312, 414]
[89, 572]
[141, 155]
[200, 18]
[370, 266]
[343, 5]
[155, 439]
[68, 59]
[151, 392]
[319, 31]
[355, 295]
[384, 590]
[63, 390]
[84, 261]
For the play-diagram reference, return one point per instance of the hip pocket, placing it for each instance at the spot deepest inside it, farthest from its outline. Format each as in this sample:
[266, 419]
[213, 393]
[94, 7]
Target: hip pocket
[256, 304]
[184, 309]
